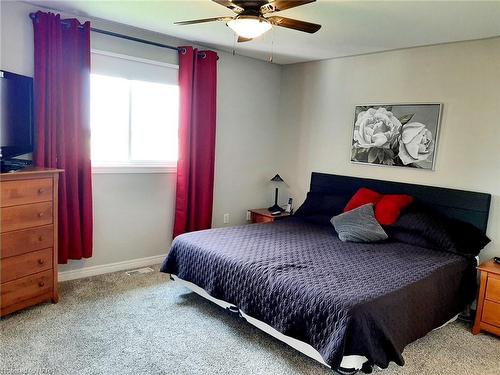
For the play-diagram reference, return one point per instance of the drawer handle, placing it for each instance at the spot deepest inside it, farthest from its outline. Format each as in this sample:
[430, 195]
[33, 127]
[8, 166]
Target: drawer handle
[41, 191]
[41, 262]
[40, 214]
[40, 238]
[41, 284]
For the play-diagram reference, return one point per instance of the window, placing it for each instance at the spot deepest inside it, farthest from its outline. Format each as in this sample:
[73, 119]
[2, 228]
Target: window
[134, 122]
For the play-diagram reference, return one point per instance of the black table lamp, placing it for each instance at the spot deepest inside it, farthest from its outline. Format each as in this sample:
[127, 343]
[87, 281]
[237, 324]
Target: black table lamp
[276, 180]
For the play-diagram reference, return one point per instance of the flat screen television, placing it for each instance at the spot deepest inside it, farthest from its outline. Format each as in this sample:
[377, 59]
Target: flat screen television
[16, 115]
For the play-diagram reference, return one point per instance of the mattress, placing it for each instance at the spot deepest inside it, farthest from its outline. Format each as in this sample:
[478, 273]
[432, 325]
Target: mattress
[340, 298]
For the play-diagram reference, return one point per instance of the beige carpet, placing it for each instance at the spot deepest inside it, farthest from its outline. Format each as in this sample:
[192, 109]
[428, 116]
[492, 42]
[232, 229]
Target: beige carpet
[146, 324]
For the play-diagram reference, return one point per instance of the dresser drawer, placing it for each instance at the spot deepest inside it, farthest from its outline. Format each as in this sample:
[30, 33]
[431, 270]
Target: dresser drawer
[23, 265]
[26, 288]
[493, 289]
[26, 191]
[25, 241]
[491, 313]
[26, 216]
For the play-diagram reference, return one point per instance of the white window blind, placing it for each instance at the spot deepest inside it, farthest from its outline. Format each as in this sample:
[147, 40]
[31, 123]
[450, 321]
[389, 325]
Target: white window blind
[133, 68]
[134, 114]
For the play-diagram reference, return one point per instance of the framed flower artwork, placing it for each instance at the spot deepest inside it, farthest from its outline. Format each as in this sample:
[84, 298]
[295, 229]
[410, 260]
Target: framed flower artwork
[400, 135]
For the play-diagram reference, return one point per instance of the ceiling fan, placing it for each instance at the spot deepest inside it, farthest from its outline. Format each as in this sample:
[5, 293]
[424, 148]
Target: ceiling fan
[250, 21]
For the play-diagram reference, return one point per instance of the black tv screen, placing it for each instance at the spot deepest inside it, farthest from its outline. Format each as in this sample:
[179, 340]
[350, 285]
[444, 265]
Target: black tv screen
[16, 115]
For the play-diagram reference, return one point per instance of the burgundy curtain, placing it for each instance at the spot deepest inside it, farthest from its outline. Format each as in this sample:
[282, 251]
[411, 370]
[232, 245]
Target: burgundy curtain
[197, 118]
[62, 125]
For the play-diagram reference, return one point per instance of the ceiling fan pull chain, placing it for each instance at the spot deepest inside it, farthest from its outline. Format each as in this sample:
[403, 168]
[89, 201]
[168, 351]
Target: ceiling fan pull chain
[271, 57]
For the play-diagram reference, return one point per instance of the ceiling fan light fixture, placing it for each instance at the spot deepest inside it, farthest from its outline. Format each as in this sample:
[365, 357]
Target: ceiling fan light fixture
[249, 27]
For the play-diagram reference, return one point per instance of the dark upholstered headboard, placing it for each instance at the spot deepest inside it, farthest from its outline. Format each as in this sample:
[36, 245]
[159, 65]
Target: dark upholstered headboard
[468, 206]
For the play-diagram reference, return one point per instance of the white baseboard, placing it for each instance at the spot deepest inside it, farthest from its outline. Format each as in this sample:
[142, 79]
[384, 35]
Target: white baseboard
[110, 267]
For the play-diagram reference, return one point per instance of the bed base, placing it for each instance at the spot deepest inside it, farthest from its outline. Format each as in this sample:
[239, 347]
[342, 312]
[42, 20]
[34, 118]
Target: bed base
[350, 364]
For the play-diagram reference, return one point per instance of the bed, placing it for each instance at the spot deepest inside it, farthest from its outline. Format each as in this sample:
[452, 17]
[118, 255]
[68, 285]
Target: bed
[344, 304]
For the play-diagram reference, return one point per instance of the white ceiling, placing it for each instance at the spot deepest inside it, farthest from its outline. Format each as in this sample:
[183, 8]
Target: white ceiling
[349, 27]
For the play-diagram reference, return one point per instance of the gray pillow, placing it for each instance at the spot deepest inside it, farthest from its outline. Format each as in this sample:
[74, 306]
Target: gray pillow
[359, 225]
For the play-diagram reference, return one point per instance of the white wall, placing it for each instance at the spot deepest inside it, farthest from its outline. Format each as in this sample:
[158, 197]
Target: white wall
[133, 213]
[247, 136]
[317, 111]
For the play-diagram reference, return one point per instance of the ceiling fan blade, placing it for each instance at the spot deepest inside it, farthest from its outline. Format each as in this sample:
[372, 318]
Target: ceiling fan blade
[290, 23]
[279, 5]
[242, 40]
[230, 5]
[202, 20]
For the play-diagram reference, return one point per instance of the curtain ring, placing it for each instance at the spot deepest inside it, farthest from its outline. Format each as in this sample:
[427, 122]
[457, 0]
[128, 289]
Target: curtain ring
[202, 55]
[182, 51]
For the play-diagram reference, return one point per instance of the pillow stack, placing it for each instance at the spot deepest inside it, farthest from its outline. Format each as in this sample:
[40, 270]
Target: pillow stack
[369, 216]
[366, 212]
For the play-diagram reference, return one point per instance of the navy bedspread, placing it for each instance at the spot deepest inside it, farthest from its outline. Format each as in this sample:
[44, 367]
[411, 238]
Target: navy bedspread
[341, 298]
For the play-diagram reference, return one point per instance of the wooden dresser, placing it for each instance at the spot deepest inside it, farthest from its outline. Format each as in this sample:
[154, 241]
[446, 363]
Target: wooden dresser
[28, 239]
[488, 300]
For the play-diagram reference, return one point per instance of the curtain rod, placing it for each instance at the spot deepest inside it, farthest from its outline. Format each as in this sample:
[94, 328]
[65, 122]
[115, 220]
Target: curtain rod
[134, 39]
[131, 38]
[122, 36]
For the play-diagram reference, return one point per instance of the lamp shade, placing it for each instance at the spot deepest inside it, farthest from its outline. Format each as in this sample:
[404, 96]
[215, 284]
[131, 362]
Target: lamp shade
[249, 26]
[277, 178]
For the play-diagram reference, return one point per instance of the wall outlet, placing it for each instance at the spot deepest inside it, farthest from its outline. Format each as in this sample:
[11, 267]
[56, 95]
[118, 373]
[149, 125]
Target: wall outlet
[226, 218]
[249, 216]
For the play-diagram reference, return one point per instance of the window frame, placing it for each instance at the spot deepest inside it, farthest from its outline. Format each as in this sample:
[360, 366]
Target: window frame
[129, 167]
[134, 167]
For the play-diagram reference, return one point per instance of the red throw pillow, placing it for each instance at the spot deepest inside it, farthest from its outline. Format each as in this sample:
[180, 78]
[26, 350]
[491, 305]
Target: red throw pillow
[362, 196]
[389, 207]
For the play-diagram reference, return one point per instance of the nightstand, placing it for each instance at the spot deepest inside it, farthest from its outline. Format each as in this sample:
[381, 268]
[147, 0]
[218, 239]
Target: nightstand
[488, 299]
[262, 215]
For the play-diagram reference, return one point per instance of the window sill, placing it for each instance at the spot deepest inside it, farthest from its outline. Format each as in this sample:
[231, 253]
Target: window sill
[131, 168]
